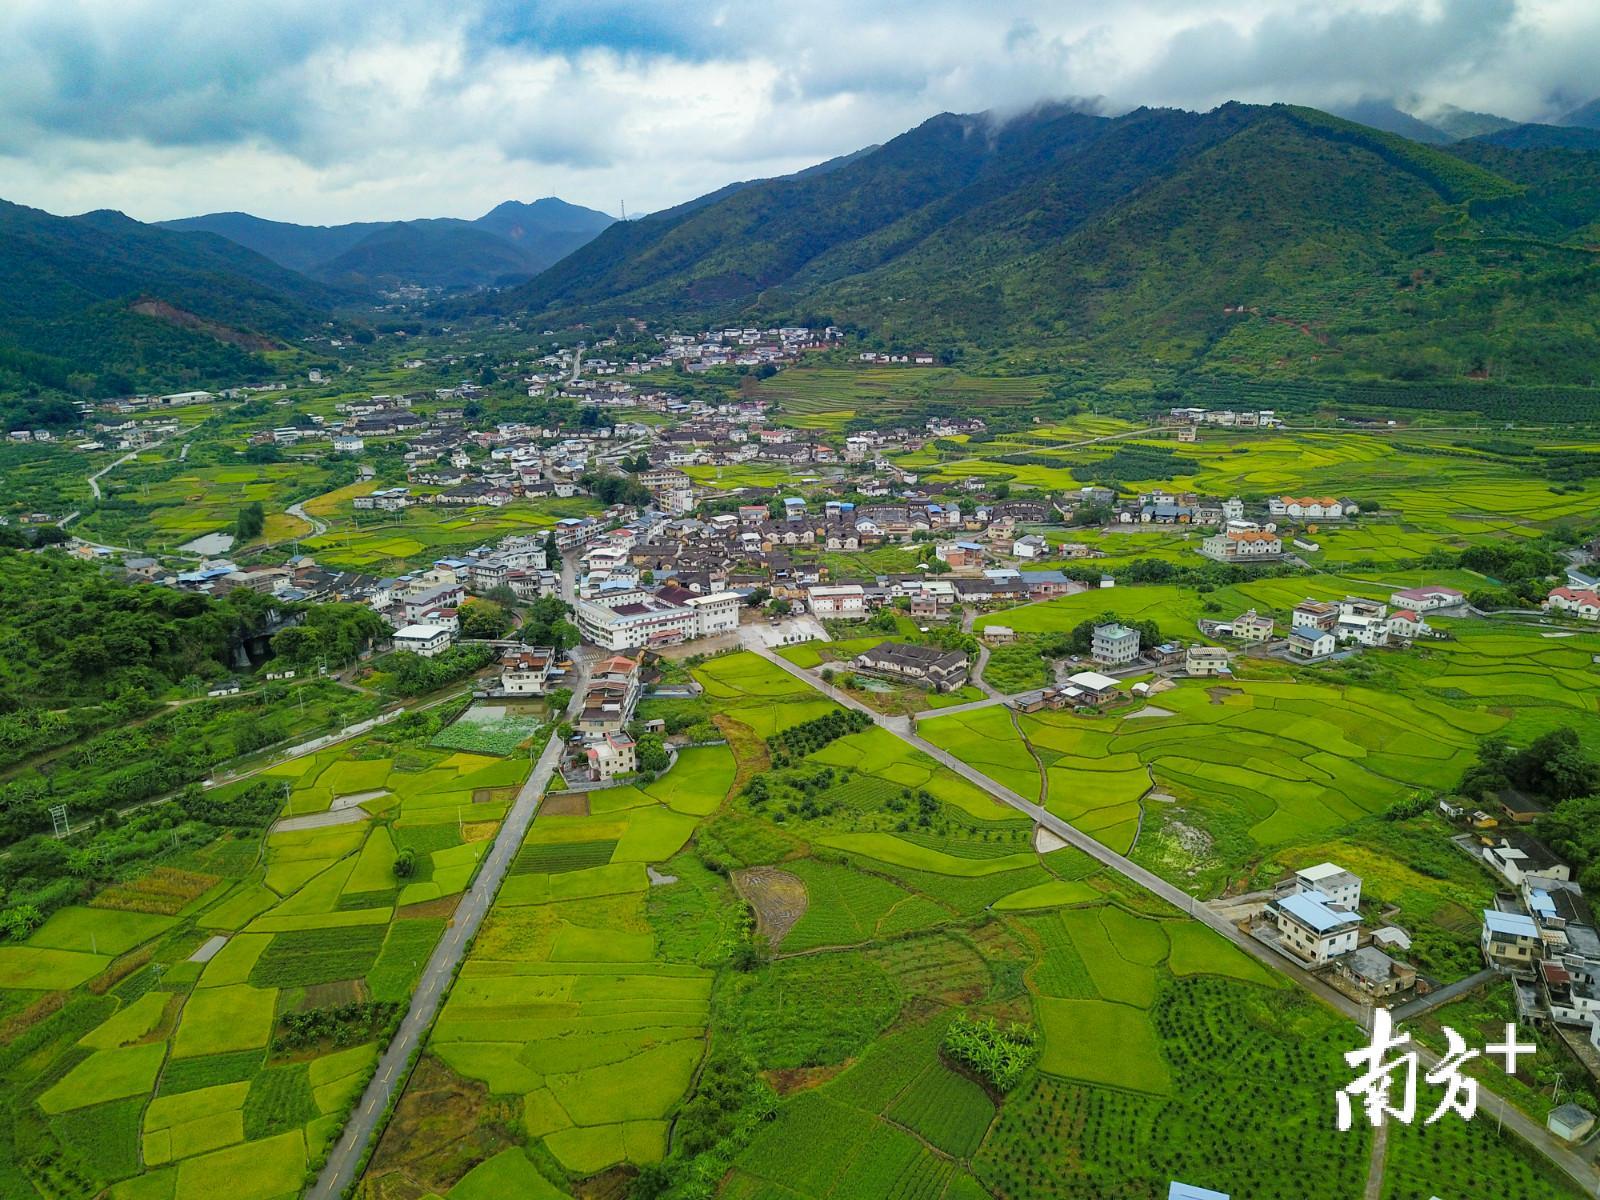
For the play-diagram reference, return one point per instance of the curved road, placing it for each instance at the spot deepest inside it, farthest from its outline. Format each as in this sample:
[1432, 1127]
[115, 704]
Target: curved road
[339, 1172]
[299, 510]
[1535, 1134]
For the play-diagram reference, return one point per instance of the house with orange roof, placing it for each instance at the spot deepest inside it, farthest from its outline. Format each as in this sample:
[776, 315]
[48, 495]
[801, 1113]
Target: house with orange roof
[1576, 602]
[1313, 508]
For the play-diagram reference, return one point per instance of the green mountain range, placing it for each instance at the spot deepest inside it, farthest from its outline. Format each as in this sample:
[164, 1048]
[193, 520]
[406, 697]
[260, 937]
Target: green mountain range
[104, 304]
[1262, 239]
[507, 244]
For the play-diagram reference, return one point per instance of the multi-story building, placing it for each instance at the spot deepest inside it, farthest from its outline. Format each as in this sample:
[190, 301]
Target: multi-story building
[1242, 542]
[1313, 927]
[609, 697]
[840, 602]
[1251, 626]
[426, 640]
[1332, 881]
[1115, 645]
[525, 671]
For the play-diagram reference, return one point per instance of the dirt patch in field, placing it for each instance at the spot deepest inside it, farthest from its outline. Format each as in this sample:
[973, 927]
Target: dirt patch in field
[444, 907]
[499, 795]
[778, 897]
[749, 749]
[1220, 694]
[326, 995]
[442, 1127]
[479, 831]
[799, 1079]
[566, 804]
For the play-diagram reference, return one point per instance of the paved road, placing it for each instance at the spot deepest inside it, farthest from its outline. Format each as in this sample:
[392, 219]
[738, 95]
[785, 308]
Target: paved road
[1412, 1009]
[299, 510]
[1489, 1104]
[340, 1170]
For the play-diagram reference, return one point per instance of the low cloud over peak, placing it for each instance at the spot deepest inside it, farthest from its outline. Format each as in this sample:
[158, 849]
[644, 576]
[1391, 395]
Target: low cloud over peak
[332, 110]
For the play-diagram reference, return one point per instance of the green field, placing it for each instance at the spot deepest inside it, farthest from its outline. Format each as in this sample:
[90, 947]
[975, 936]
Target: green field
[171, 1077]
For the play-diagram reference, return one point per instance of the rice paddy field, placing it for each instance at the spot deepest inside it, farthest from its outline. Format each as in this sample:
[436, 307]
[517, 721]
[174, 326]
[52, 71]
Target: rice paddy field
[423, 531]
[172, 509]
[825, 398]
[220, 1017]
[1436, 491]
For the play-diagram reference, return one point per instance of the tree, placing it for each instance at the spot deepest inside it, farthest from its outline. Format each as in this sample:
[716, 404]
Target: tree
[484, 619]
[251, 521]
[552, 551]
[547, 624]
[758, 597]
[652, 753]
[405, 863]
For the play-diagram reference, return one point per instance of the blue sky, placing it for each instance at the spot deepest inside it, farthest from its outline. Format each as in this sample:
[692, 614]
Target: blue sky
[333, 110]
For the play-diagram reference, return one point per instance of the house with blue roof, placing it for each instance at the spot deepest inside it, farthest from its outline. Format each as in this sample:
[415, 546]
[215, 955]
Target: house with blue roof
[1510, 941]
[1308, 642]
[1313, 927]
[1188, 1191]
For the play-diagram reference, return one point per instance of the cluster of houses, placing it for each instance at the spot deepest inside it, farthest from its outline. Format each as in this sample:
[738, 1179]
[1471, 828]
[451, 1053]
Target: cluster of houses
[1315, 917]
[1319, 627]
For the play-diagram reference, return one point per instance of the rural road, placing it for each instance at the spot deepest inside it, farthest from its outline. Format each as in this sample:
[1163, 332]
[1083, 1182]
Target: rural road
[1489, 1104]
[1444, 995]
[299, 510]
[339, 1172]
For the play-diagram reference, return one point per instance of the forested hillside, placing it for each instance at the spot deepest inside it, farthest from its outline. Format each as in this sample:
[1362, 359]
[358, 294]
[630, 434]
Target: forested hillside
[104, 304]
[507, 244]
[1254, 239]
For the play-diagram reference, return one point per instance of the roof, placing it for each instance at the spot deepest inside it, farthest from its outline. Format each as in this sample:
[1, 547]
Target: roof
[1309, 631]
[1371, 963]
[1571, 1115]
[1509, 924]
[1315, 913]
[1424, 593]
[1322, 871]
[1187, 1191]
[1114, 630]
[421, 632]
[1093, 681]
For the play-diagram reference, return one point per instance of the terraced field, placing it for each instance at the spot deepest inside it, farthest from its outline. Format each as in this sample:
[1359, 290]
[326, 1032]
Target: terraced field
[226, 1015]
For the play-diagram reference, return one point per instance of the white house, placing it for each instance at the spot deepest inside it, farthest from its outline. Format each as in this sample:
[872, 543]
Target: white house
[1311, 926]
[1308, 643]
[1243, 545]
[1206, 660]
[426, 640]
[717, 612]
[1427, 599]
[1517, 858]
[1510, 941]
[1408, 625]
[1578, 602]
[1331, 880]
[348, 443]
[526, 671]
[610, 755]
[841, 602]
[1031, 546]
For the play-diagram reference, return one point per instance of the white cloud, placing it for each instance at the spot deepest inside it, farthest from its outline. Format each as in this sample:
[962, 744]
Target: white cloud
[332, 110]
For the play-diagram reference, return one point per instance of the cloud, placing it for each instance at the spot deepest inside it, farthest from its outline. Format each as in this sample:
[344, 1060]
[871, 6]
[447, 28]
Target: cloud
[328, 110]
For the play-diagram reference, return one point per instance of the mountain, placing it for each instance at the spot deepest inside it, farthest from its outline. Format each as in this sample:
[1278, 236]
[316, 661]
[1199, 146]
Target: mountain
[510, 242]
[1585, 117]
[120, 304]
[1459, 123]
[1265, 239]
[1380, 114]
[1548, 137]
